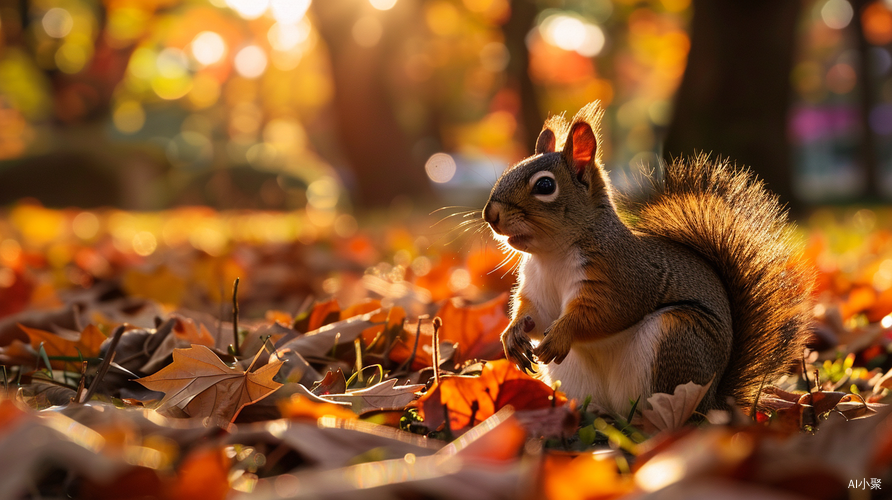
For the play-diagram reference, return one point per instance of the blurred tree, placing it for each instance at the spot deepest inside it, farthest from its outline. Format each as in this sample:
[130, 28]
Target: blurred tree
[867, 152]
[523, 18]
[376, 146]
[735, 93]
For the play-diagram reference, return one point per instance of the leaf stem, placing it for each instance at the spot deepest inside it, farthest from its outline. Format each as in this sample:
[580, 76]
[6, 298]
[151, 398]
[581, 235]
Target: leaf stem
[235, 318]
[436, 349]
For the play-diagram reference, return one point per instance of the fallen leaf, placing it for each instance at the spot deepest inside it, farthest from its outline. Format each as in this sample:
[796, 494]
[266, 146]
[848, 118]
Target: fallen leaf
[415, 337]
[300, 407]
[381, 396]
[476, 329]
[86, 344]
[586, 476]
[200, 384]
[670, 412]
[319, 343]
[499, 438]
[323, 314]
[203, 475]
[471, 400]
[333, 382]
[549, 422]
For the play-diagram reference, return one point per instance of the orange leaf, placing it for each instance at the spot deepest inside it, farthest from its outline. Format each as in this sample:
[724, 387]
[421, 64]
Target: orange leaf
[199, 383]
[405, 344]
[186, 329]
[86, 344]
[471, 400]
[583, 477]
[303, 408]
[10, 415]
[281, 317]
[476, 329]
[203, 475]
[322, 313]
[860, 299]
[361, 308]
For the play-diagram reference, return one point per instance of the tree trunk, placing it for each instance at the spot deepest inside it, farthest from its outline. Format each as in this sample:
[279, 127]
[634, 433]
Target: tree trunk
[735, 94]
[378, 150]
[523, 16]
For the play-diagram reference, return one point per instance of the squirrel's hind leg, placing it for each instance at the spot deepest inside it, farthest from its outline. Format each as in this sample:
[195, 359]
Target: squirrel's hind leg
[693, 347]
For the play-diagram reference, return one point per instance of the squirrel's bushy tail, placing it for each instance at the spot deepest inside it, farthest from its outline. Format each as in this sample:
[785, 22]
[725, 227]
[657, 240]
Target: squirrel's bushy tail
[739, 227]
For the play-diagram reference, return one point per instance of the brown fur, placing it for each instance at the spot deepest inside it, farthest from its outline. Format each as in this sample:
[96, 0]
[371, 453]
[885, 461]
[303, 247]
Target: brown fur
[735, 224]
[702, 286]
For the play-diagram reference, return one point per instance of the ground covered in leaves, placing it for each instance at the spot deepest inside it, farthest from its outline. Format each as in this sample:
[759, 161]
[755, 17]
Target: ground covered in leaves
[134, 366]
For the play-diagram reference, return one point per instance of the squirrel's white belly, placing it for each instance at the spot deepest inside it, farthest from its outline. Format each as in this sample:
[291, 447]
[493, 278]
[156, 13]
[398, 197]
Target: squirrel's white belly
[614, 370]
[551, 284]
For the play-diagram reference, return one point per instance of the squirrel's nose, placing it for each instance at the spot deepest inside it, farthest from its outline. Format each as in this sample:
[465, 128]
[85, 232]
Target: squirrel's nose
[491, 215]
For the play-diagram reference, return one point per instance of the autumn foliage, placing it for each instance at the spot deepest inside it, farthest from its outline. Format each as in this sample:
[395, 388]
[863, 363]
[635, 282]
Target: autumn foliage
[136, 381]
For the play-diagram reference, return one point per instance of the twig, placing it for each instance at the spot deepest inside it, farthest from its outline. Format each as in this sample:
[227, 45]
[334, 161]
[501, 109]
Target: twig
[82, 383]
[411, 359]
[235, 318]
[356, 344]
[438, 323]
[106, 363]
[758, 395]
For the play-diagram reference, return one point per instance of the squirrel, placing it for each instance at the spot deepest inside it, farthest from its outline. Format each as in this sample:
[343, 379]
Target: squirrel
[700, 283]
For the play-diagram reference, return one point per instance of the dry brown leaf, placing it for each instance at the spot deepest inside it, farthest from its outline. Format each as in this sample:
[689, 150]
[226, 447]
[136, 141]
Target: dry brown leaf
[670, 412]
[382, 396]
[319, 343]
[200, 384]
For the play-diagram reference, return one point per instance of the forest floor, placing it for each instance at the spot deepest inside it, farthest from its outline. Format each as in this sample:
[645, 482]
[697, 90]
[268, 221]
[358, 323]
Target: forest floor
[134, 366]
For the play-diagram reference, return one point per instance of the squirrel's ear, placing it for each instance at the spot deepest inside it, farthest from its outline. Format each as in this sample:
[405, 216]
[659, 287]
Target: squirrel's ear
[546, 142]
[580, 148]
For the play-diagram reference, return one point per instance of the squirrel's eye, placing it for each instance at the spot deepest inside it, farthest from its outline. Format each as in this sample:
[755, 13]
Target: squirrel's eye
[545, 185]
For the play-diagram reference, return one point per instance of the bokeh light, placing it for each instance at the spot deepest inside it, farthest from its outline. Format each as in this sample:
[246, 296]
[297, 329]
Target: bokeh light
[250, 62]
[249, 9]
[289, 11]
[208, 47]
[837, 14]
[367, 31]
[571, 33]
[383, 4]
[440, 168]
[57, 22]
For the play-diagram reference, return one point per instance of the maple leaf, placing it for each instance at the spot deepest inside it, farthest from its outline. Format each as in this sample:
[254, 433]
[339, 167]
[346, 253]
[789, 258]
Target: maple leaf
[200, 384]
[86, 344]
[382, 396]
[470, 400]
[670, 412]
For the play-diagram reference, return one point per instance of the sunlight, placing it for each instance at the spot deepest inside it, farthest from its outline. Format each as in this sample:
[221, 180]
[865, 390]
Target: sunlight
[837, 14]
[289, 11]
[208, 47]
[659, 473]
[383, 4]
[440, 168]
[57, 22]
[250, 62]
[248, 9]
[572, 34]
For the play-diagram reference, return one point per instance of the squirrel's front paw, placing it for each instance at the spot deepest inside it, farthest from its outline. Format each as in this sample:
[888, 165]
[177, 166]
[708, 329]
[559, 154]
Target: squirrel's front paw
[516, 343]
[553, 348]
